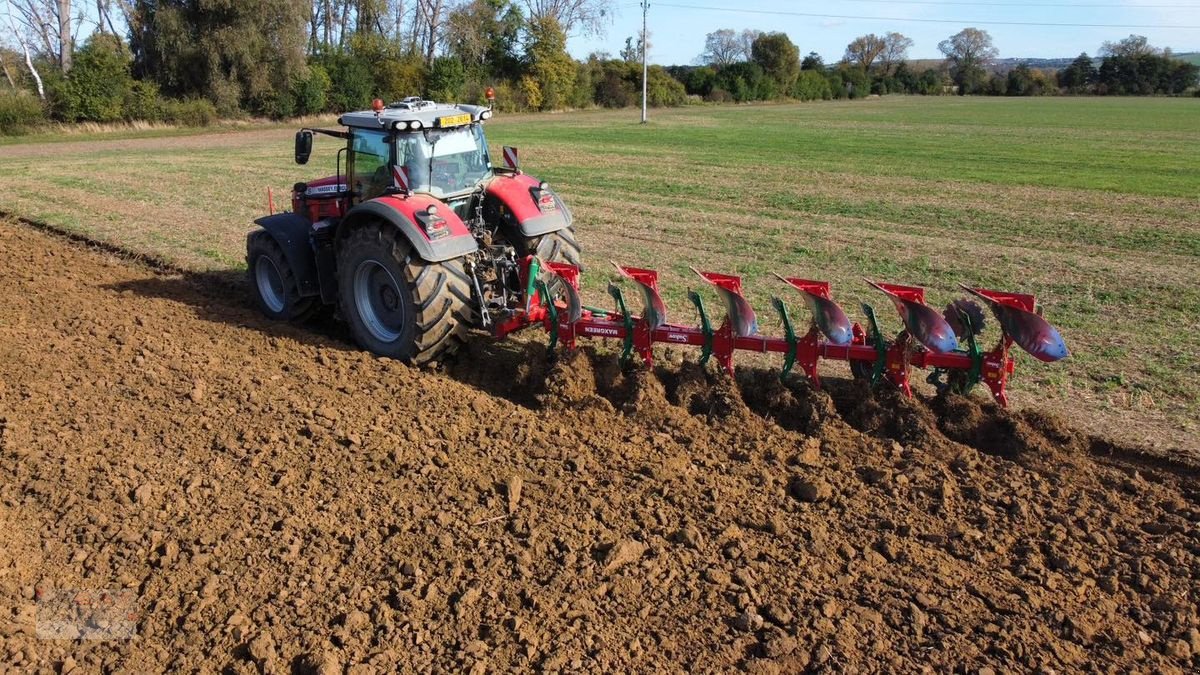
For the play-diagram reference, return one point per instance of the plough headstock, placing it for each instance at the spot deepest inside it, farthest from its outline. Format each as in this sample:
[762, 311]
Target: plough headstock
[928, 340]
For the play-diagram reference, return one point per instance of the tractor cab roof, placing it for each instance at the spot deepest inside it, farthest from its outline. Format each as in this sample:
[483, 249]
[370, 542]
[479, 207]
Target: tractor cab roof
[413, 114]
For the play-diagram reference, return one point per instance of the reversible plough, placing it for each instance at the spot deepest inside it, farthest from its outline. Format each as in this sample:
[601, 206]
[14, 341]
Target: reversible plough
[944, 343]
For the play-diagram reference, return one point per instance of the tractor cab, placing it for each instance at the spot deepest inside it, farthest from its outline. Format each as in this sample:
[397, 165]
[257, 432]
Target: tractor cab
[410, 146]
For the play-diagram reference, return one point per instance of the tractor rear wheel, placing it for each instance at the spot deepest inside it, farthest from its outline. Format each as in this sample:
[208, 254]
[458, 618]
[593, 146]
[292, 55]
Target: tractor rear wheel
[274, 284]
[398, 305]
[559, 246]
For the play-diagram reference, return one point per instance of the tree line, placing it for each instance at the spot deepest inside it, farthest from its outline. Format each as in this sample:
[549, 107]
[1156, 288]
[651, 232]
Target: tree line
[755, 66]
[194, 61]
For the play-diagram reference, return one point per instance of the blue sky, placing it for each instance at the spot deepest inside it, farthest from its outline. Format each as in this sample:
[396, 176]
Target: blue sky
[677, 33]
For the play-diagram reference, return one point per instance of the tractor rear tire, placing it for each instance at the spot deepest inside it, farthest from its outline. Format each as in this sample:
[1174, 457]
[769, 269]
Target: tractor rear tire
[270, 275]
[560, 246]
[398, 305]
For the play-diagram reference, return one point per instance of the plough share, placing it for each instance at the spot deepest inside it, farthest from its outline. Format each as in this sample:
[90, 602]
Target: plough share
[944, 343]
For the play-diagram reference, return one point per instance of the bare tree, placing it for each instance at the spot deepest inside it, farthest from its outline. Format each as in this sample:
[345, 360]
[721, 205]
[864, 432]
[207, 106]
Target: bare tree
[432, 20]
[590, 17]
[1133, 46]
[66, 37]
[864, 50]
[52, 22]
[746, 42]
[895, 51]
[19, 33]
[7, 74]
[634, 48]
[722, 48]
[106, 13]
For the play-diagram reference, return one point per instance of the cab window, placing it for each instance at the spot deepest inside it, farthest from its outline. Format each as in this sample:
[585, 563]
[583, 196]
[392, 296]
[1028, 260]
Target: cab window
[369, 156]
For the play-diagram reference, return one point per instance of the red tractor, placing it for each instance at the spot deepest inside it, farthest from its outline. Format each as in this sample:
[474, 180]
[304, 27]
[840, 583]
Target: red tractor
[423, 239]
[419, 240]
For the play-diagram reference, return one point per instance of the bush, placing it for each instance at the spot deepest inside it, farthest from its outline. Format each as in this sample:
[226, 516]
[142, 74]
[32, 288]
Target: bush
[701, 81]
[932, 83]
[811, 85]
[745, 81]
[352, 85]
[447, 77]
[507, 97]
[20, 112]
[97, 86]
[312, 92]
[226, 95]
[850, 82]
[618, 84]
[531, 93]
[276, 104]
[475, 92]
[190, 113]
[142, 103]
[583, 92]
[719, 95]
[396, 79]
[662, 90]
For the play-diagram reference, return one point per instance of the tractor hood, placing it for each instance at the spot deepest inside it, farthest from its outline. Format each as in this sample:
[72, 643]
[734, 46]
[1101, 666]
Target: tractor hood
[330, 185]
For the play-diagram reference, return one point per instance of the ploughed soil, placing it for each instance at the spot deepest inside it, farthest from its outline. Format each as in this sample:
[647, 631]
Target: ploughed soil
[278, 501]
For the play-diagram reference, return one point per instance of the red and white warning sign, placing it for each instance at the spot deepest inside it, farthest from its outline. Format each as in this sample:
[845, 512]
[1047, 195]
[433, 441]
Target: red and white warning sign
[510, 158]
[400, 177]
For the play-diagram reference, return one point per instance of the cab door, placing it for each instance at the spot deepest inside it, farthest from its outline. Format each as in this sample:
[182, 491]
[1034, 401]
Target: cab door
[369, 164]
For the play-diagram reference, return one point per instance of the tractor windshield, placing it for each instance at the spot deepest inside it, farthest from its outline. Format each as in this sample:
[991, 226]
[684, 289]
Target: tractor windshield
[444, 161]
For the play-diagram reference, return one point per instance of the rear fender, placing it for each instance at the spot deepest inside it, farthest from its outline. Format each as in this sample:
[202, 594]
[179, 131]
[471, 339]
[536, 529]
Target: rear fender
[291, 232]
[515, 193]
[404, 213]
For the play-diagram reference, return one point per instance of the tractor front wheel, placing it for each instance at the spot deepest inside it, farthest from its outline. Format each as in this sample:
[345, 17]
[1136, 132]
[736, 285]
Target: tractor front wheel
[398, 305]
[275, 289]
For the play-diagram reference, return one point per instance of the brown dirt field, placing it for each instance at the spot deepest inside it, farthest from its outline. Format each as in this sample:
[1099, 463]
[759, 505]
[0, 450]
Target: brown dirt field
[279, 501]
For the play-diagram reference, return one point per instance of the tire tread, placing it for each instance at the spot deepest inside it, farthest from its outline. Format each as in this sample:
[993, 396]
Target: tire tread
[441, 293]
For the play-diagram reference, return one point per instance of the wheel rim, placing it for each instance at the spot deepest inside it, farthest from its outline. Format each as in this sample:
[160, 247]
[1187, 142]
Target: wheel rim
[378, 301]
[270, 283]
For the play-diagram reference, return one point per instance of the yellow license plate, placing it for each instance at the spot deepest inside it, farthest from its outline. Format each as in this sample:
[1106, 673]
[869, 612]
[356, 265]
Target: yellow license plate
[454, 120]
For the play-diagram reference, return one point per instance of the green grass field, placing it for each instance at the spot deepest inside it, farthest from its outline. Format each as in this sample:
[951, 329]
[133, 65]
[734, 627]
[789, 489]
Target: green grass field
[1092, 204]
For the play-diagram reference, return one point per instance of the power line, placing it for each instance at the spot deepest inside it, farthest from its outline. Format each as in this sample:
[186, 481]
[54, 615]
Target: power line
[916, 20]
[1082, 5]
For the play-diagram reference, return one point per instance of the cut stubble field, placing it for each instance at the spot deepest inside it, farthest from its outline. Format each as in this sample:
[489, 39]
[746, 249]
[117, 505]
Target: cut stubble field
[1091, 204]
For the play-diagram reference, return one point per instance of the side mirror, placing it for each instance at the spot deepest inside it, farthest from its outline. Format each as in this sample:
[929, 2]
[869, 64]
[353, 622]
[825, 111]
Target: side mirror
[304, 141]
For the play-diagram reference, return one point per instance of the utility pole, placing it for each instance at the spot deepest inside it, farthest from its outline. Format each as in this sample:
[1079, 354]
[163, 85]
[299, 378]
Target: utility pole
[645, 6]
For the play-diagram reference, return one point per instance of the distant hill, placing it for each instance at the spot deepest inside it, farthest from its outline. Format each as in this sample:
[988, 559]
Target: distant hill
[999, 65]
[1005, 65]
